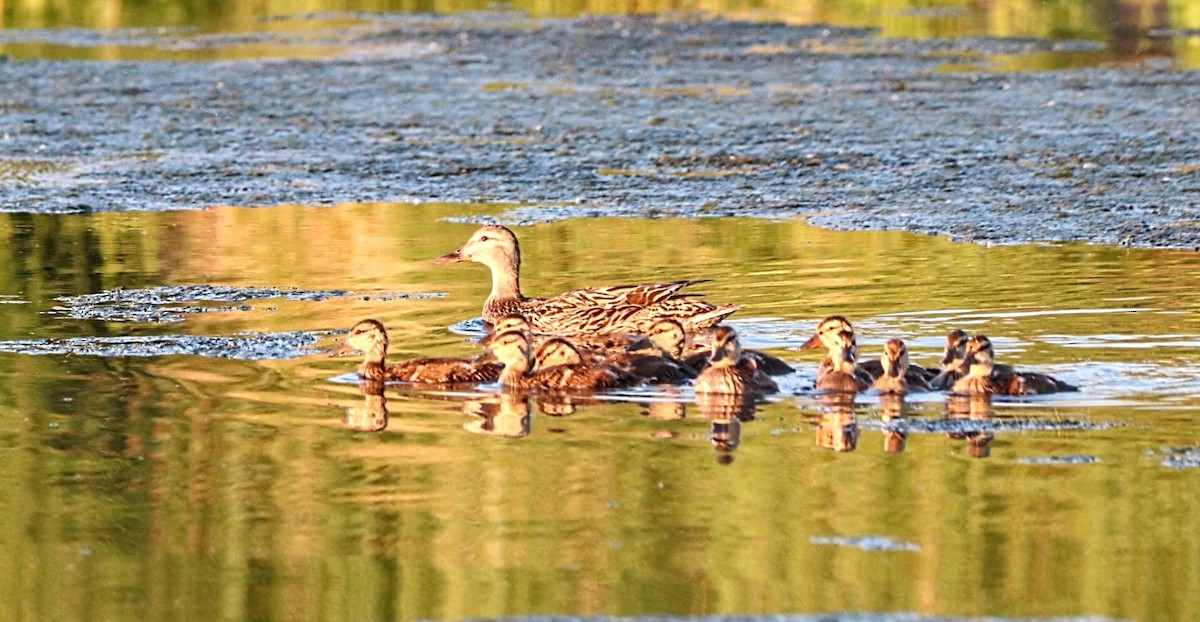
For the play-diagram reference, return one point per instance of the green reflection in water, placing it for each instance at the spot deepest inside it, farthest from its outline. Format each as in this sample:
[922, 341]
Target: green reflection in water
[194, 489]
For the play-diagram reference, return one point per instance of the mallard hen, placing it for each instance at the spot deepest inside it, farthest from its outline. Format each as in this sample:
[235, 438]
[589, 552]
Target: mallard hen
[621, 308]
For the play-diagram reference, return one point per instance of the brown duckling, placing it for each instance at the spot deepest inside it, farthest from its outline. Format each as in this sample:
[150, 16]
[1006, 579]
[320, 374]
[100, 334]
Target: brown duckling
[895, 379]
[982, 376]
[837, 372]
[978, 350]
[730, 372]
[770, 365]
[513, 350]
[370, 338]
[868, 371]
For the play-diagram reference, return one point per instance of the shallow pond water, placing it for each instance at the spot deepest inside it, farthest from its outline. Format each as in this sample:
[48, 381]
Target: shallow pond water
[169, 479]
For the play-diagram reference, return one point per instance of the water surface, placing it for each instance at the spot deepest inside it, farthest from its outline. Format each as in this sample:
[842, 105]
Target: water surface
[189, 487]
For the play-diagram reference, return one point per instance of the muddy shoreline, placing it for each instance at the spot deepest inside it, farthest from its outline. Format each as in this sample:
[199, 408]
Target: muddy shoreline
[622, 116]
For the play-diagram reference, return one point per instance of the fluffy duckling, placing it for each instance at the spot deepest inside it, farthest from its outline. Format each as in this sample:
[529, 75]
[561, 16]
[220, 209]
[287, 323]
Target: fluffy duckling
[698, 359]
[982, 376]
[837, 372]
[622, 308]
[953, 364]
[894, 362]
[513, 350]
[370, 338]
[1031, 383]
[729, 372]
[826, 334]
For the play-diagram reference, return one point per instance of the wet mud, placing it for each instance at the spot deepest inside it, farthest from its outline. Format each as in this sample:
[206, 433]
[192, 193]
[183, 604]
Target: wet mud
[618, 116]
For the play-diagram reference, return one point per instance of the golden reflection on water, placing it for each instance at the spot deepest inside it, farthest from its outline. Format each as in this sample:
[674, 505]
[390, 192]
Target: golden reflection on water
[185, 488]
[1124, 26]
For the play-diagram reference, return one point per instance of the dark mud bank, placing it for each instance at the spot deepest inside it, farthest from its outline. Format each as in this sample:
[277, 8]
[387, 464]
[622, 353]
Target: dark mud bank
[625, 116]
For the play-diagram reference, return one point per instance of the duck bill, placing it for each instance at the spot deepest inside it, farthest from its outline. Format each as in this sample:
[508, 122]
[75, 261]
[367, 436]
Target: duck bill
[893, 368]
[813, 342]
[343, 349]
[454, 257]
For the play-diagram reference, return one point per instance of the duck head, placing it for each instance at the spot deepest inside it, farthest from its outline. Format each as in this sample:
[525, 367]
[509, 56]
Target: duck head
[492, 245]
[980, 355]
[556, 352]
[956, 348]
[826, 332]
[894, 358]
[726, 348]
[513, 349]
[843, 351]
[367, 336]
[511, 323]
[669, 336]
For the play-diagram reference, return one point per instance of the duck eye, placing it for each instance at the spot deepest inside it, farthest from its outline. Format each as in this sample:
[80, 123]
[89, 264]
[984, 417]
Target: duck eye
[483, 238]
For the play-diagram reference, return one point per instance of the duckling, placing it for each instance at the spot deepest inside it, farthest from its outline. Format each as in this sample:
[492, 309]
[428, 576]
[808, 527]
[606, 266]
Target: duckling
[730, 372]
[953, 365]
[370, 337]
[837, 372]
[622, 308]
[868, 371]
[894, 362]
[513, 349]
[698, 358]
[1032, 383]
[982, 376]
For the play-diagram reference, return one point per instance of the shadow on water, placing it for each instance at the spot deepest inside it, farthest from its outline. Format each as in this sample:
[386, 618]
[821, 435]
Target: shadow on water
[171, 484]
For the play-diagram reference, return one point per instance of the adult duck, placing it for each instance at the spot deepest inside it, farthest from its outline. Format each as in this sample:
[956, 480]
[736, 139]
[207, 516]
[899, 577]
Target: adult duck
[621, 308]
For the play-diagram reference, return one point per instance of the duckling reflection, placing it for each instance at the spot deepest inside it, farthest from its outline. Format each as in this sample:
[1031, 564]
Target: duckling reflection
[505, 415]
[838, 428]
[974, 407]
[373, 415]
[893, 411]
[726, 412]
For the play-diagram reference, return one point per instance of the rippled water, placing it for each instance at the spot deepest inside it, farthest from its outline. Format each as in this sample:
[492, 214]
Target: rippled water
[153, 481]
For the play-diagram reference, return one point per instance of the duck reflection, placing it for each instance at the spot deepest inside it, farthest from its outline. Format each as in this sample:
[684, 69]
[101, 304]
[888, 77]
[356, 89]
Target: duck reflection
[505, 415]
[838, 427]
[372, 416]
[975, 408]
[893, 410]
[726, 412]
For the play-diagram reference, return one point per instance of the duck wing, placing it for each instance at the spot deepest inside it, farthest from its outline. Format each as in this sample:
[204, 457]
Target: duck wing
[639, 295]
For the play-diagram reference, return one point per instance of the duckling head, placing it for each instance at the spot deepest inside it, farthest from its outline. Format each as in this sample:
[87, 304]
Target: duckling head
[492, 245]
[826, 330]
[956, 347]
[980, 355]
[668, 335]
[512, 349]
[726, 349]
[894, 358]
[512, 322]
[843, 351]
[556, 352]
[367, 336]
